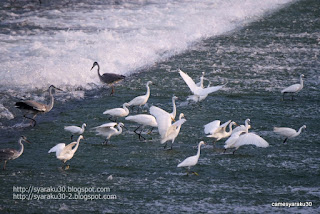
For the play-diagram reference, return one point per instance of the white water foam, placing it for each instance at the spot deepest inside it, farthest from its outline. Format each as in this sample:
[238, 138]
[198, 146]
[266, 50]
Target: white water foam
[122, 39]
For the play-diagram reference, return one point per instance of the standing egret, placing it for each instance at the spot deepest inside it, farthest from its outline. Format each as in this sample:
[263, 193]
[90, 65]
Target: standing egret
[199, 93]
[108, 78]
[65, 153]
[192, 160]
[11, 154]
[288, 132]
[141, 100]
[217, 131]
[295, 88]
[108, 130]
[244, 127]
[174, 111]
[143, 120]
[167, 130]
[118, 112]
[34, 107]
[236, 140]
[75, 129]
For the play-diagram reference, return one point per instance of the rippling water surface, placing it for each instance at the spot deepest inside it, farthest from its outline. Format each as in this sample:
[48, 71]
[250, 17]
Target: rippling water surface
[258, 47]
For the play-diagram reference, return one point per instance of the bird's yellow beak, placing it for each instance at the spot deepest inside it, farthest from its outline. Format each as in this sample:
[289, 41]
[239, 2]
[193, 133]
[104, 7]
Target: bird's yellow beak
[173, 119]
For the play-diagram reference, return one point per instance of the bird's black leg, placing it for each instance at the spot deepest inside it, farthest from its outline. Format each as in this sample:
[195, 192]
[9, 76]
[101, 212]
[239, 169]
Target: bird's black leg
[135, 131]
[140, 135]
[165, 146]
[224, 150]
[4, 165]
[32, 119]
[71, 137]
[285, 140]
[110, 118]
[234, 151]
[112, 91]
[105, 142]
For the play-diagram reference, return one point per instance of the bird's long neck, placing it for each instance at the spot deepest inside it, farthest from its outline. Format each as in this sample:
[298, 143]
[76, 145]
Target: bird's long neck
[230, 128]
[201, 81]
[77, 145]
[20, 151]
[299, 131]
[125, 108]
[148, 91]
[119, 130]
[198, 153]
[98, 70]
[174, 112]
[301, 82]
[50, 105]
[83, 127]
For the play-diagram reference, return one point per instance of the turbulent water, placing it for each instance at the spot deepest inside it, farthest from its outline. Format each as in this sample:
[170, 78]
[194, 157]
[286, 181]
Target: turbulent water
[258, 47]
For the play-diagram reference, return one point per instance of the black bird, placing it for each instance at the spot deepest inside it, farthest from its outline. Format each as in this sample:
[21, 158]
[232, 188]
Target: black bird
[108, 78]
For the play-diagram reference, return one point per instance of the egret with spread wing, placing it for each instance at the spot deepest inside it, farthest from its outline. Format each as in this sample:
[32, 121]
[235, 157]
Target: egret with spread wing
[65, 153]
[167, 130]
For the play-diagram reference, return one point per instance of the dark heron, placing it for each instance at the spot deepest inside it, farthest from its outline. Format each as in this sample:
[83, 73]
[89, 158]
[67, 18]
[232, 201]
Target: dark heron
[108, 78]
[11, 154]
[34, 107]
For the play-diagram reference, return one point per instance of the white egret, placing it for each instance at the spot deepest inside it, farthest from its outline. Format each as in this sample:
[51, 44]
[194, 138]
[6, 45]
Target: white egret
[35, 108]
[244, 127]
[217, 131]
[191, 161]
[11, 154]
[236, 140]
[143, 120]
[141, 100]
[288, 132]
[199, 93]
[167, 130]
[65, 153]
[293, 88]
[118, 112]
[108, 130]
[108, 78]
[75, 129]
[174, 111]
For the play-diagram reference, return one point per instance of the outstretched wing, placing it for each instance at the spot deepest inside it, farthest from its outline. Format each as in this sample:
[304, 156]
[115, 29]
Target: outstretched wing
[163, 119]
[191, 84]
[210, 128]
[57, 148]
[209, 90]
[251, 139]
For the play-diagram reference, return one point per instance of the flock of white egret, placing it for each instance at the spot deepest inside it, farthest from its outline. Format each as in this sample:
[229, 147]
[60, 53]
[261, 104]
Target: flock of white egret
[165, 122]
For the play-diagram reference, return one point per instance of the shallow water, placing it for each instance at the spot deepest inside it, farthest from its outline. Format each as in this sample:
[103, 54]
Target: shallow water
[258, 56]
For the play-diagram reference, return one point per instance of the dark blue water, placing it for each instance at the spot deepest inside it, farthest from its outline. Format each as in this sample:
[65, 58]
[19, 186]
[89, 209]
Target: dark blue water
[258, 60]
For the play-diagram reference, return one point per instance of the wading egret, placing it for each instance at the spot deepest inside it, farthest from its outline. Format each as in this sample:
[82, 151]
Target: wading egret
[108, 78]
[217, 131]
[65, 153]
[288, 132]
[75, 129]
[34, 107]
[118, 112]
[167, 130]
[191, 161]
[141, 100]
[11, 154]
[293, 88]
[143, 120]
[199, 92]
[236, 140]
[108, 130]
